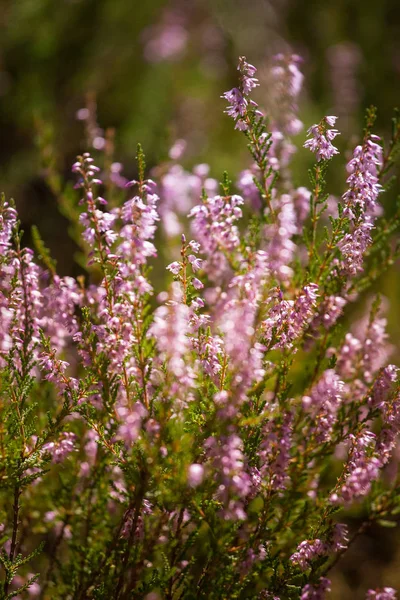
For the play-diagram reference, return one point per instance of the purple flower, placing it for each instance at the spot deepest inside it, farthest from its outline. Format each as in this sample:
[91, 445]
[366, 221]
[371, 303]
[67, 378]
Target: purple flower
[287, 319]
[316, 592]
[361, 470]
[195, 475]
[288, 82]
[214, 227]
[353, 246]
[275, 451]
[340, 537]
[323, 404]
[386, 593]
[307, 551]
[131, 422]
[175, 267]
[360, 203]
[281, 248]
[247, 72]
[382, 387]
[238, 98]
[195, 262]
[170, 330]
[197, 283]
[238, 104]
[321, 137]
[364, 187]
[60, 449]
[234, 483]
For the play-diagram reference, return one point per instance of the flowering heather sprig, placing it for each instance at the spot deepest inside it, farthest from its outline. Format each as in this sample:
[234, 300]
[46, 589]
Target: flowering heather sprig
[239, 101]
[214, 226]
[340, 537]
[287, 319]
[321, 137]
[180, 190]
[306, 552]
[170, 328]
[360, 203]
[60, 449]
[58, 320]
[275, 449]
[344, 60]
[8, 221]
[22, 304]
[362, 469]
[54, 371]
[316, 592]
[234, 483]
[323, 404]
[288, 81]
[250, 120]
[386, 593]
[329, 311]
[364, 353]
[97, 223]
[385, 396]
[281, 249]
[213, 223]
[363, 180]
[382, 387]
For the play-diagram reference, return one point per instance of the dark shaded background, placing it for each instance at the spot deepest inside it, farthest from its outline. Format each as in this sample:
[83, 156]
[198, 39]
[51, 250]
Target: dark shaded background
[157, 69]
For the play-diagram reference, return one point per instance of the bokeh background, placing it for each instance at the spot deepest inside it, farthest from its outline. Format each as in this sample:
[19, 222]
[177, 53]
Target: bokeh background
[154, 71]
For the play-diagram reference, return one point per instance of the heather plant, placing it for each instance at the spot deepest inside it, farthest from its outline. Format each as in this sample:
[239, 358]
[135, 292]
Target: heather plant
[205, 434]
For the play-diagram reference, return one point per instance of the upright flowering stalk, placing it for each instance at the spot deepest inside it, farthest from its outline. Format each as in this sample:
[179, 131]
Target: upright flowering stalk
[170, 330]
[249, 119]
[385, 396]
[237, 319]
[306, 552]
[323, 404]
[234, 483]
[288, 81]
[316, 592]
[360, 203]
[240, 104]
[8, 222]
[319, 142]
[320, 139]
[273, 151]
[214, 226]
[361, 356]
[287, 319]
[275, 452]
[280, 247]
[362, 468]
[25, 301]
[180, 190]
[345, 60]
[122, 256]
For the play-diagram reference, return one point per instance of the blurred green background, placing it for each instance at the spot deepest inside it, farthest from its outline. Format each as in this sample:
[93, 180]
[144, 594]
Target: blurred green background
[157, 69]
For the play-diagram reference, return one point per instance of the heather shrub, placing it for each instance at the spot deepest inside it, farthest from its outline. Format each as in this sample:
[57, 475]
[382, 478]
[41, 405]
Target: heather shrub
[208, 432]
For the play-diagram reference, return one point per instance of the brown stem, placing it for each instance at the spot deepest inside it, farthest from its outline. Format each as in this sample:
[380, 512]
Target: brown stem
[137, 508]
[16, 509]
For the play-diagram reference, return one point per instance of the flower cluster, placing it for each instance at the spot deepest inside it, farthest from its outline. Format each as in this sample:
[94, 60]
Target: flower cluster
[321, 137]
[196, 420]
[239, 98]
